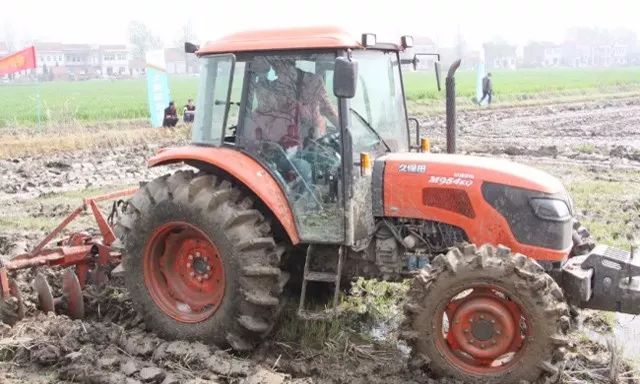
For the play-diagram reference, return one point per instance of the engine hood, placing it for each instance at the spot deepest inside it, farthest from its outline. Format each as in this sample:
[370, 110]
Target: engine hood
[459, 168]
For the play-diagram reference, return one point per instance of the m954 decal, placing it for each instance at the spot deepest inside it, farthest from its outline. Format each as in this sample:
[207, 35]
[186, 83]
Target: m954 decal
[444, 180]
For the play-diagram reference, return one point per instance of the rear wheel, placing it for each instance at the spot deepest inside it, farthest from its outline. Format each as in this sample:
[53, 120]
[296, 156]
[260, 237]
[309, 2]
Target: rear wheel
[486, 315]
[201, 263]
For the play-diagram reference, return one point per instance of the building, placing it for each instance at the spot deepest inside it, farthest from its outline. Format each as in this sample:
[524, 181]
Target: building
[579, 55]
[57, 61]
[542, 54]
[500, 56]
[114, 60]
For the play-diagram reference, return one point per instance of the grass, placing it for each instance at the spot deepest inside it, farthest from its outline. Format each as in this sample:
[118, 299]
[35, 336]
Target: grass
[92, 100]
[106, 100]
[369, 313]
[54, 207]
[609, 207]
[28, 141]
[525, 83]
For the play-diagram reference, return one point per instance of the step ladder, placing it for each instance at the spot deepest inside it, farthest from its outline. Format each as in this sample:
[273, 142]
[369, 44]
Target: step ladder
[321, 277]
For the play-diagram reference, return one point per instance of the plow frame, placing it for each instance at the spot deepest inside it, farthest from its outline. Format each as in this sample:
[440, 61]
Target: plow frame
[77, 249]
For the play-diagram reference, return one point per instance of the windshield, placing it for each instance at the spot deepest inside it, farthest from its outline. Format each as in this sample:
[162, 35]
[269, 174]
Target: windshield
[213, 95]
[377, 110]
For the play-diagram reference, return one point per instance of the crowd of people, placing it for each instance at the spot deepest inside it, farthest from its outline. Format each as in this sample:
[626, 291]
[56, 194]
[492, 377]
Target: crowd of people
[171, 114]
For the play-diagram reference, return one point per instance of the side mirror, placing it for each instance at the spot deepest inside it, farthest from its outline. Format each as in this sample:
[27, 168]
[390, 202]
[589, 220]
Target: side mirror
[190, 47]
[438, 75]
[345, 76]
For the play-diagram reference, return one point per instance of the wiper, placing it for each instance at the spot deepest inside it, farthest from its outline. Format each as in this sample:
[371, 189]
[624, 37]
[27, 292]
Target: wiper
[368, 125]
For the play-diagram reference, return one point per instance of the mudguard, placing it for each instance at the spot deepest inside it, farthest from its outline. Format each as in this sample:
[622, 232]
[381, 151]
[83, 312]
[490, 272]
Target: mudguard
[244, 169]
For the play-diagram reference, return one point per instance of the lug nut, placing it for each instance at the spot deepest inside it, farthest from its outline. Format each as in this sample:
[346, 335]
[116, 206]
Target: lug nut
[200, 278]
[206, 258]
[188, 265]
[197, 254]
[494, 342]
[466, 330]
[192, 274]
[493, 321]
[208, 267]
[481, 317]
[498, 332]
[190, 257]
[471, 341]
[481, 346]
[207, 276]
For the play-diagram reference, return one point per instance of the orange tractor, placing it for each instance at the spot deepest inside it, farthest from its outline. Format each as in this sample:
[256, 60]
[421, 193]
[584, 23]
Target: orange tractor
[305, 168]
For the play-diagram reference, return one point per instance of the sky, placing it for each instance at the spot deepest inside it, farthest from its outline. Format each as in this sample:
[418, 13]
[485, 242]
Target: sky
[515, 21]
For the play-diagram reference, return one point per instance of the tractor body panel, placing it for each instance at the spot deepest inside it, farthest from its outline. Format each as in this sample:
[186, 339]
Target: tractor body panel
[493, 201]
[241, 167]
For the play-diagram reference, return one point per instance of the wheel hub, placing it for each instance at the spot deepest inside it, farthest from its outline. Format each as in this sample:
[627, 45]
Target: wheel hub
[184, 272]
[484, 327]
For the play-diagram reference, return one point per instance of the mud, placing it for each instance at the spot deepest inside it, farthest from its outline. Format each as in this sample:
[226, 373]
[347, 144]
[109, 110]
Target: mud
[604, 131]
[596, 140]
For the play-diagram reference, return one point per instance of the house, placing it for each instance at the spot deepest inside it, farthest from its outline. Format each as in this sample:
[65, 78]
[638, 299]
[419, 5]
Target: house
[542, 55]
[579, 54]
[499, 56]
[57, 61]
[114, 60]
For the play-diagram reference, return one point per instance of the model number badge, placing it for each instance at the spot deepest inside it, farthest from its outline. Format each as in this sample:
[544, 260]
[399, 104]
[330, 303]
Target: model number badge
[412, 168]
[443, 180]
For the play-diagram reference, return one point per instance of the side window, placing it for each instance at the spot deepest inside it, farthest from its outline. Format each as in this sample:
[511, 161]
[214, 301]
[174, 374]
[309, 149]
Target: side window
[213, 97]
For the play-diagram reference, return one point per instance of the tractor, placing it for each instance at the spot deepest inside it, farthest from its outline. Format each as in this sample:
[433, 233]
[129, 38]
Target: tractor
[305, 168]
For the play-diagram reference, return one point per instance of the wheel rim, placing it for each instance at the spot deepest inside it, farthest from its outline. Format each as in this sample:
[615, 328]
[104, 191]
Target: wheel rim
[183, 272]
[483, 330]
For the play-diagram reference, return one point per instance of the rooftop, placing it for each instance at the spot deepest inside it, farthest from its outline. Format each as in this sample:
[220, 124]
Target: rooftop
[281, 39]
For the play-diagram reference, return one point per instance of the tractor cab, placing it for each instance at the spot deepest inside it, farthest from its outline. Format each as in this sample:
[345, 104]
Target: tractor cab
[306, 107]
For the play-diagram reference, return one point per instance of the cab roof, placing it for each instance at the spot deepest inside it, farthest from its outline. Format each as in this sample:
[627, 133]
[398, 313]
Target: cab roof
[282, 39]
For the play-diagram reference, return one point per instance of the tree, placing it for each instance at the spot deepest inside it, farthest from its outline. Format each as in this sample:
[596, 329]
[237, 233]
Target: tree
[186, 34]
[142, 39]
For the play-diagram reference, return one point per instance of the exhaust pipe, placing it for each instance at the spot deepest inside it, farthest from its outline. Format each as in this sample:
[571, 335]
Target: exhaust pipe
[450, 85]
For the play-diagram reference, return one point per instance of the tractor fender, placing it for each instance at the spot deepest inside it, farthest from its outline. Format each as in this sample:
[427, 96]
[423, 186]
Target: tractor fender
[241, 167]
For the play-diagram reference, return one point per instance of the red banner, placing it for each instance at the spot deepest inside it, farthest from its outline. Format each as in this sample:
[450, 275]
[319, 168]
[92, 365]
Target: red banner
[19, 61]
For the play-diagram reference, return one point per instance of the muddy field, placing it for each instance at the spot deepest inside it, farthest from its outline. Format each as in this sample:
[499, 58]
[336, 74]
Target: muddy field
[594, 147]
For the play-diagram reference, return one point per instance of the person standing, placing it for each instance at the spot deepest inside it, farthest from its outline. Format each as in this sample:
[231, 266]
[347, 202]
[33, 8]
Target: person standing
[487, 89]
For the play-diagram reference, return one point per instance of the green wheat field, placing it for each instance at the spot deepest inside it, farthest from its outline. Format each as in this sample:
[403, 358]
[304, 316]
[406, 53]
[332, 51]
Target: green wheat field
[104, 100]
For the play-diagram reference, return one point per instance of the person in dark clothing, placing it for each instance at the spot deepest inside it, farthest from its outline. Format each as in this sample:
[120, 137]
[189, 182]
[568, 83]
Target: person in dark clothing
[170, 116]
[487, 89]
[189, 112]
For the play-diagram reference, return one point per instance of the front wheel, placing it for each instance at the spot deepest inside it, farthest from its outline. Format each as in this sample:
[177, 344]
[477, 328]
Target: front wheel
[201, 263]
[486, 316]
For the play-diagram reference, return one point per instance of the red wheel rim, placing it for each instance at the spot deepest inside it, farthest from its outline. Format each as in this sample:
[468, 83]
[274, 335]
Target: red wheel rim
[483, 330]
[183, 272]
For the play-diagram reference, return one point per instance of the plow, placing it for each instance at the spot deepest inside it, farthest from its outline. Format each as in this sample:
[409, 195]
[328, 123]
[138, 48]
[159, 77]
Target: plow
[293, 186]
[89, 259]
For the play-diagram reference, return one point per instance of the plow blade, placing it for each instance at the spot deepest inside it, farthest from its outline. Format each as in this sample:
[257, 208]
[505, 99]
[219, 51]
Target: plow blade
[605, 279]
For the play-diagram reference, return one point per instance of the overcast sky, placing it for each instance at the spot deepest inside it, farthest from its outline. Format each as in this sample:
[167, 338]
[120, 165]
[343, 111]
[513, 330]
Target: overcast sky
[84, 21]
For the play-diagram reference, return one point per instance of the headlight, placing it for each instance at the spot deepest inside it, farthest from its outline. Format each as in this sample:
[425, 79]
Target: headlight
[551, 209]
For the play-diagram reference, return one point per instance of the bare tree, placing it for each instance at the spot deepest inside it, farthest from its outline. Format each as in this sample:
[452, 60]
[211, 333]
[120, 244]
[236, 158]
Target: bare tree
[142, 39]
[186, 34]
